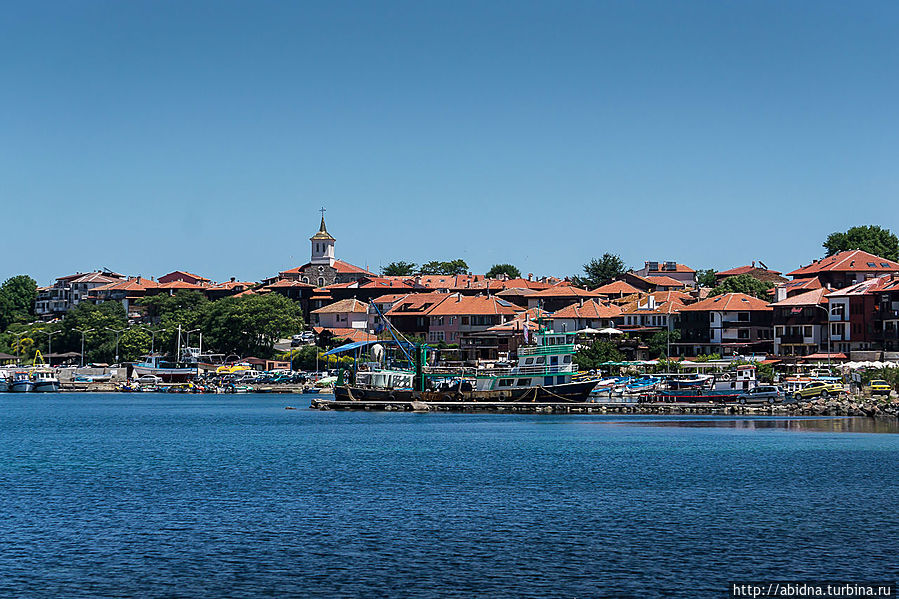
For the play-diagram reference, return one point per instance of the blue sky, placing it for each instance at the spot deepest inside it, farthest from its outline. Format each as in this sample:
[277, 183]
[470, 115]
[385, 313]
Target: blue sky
[152, 136]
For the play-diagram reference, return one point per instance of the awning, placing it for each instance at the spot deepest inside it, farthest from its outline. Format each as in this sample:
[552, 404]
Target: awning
[350, 347]
[357, 344]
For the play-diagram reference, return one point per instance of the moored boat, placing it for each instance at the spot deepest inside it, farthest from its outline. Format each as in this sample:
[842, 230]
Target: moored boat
[543, 373]
[45, 381]
[21, 382]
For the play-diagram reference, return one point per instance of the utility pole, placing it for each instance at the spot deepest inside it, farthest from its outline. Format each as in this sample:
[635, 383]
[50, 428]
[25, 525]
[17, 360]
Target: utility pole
[83, 332]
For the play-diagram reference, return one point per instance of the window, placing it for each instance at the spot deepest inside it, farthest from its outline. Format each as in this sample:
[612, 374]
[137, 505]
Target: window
[567, 359]
[505, 382]
[547, 380]
[743, 316]
[711, 317]
[541, 360]
[321, 282]
[560, 380]
[779, 331]
[806, 331]
[554, 360]
[524, 382]
[528, 361]
[464, 320]
[743, 334]
[837, 309]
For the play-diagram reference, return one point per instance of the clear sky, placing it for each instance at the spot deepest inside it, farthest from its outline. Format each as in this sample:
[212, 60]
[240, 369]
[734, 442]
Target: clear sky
[152, 136]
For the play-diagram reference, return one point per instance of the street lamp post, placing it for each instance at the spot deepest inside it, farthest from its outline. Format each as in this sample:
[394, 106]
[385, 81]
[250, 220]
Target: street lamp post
[153, 337]
[19, 345]
[49, 335]
[118, 333]
[83, 332]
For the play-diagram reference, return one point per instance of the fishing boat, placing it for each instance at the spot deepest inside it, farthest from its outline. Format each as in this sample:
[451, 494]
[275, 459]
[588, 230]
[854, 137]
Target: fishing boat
[643, 384]
[695, 381]
[543, 373]
[170, 372]
[21, 382]
[4, 381]
[45, 381]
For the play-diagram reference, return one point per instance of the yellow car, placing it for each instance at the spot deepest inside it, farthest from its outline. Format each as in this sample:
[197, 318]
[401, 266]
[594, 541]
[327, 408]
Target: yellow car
[819, 389]
[879, 387]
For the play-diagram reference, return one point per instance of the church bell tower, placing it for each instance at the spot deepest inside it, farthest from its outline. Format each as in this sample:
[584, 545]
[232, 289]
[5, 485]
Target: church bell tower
[322, 245]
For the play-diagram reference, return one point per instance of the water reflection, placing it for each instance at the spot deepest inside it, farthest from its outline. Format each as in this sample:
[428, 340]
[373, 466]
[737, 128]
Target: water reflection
[815, 425]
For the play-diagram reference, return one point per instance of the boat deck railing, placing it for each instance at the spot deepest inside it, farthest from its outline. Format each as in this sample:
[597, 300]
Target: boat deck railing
[546, 349]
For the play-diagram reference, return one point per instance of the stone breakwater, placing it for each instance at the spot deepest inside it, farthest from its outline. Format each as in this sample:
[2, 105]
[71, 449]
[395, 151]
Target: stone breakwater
[848, 406]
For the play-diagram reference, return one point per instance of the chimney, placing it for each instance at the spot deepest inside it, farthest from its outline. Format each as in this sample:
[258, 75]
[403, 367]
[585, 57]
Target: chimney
[780, 293]
[233, 279]
[138, 279]
[753, 264]
[582, 302]
[530, 276]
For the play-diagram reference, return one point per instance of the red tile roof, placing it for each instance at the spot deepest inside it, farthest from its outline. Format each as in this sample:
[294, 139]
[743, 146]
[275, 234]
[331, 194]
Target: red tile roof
[664, 281]
[809, 298]
[348, 334]
[742, 270]
[339, 265]
[565, 291]
[865, 287]
[287, 283]
[848, 261]
[615, 288]
[458, 304]
[181, 285]
[343, 306]
[174, 275]
[736, 302]
[590, 309]
[661, 269]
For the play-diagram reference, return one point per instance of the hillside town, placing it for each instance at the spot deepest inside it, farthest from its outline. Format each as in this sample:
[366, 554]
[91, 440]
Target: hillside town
[844, 307]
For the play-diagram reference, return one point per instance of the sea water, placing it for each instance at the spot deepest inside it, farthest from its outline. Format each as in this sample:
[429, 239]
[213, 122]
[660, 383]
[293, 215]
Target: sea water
[150, 495]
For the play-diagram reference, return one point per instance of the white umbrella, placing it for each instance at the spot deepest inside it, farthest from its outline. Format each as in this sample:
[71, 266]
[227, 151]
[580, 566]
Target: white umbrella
[588, 331]
[610, 331]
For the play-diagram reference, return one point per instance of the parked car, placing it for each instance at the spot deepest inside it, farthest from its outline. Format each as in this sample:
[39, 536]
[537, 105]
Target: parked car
[879, 387]
[762, 394]
[819, 389]
[149, 379]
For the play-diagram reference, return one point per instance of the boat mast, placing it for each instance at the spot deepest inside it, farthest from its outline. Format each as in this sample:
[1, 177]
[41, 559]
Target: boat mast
[178, 350]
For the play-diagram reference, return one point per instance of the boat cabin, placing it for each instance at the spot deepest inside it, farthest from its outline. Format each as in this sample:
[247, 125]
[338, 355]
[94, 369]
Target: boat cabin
[548, 363]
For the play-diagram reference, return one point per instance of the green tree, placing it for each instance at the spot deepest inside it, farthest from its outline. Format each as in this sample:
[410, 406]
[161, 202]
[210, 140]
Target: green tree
[658, 343]
[744, 284]
[869, 238]
[184, 309]
[600, 271]
[503, 269]
[451, 268]
[99, 342]
[706, 278]
[134, 343]
[590, 358]
[250, 324]
[399, 269]
[17, 297]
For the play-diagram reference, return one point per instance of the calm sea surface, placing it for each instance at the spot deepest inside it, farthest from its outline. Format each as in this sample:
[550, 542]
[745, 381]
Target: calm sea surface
[212, 496]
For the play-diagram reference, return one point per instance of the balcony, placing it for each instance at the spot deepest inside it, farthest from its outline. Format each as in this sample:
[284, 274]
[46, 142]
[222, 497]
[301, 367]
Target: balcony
[795, 340]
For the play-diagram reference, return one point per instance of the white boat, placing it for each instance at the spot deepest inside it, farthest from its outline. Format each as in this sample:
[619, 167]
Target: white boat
[45, 381]
[21, 382]
[167, 371]
[4, 381]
